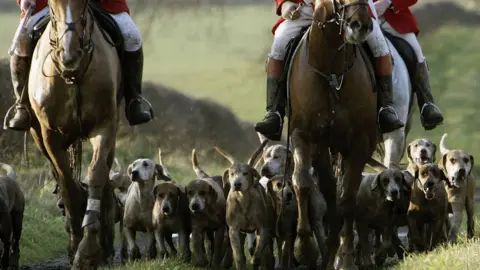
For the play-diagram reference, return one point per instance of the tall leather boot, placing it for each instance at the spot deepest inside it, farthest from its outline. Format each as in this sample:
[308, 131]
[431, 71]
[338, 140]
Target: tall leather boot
[19, 68]
[430, 114]
[387, 116]
[272, 124]
[132, 77]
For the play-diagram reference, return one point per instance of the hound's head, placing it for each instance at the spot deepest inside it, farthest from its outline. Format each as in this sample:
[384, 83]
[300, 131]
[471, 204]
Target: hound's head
[429, 179]
[201, 195]
[421, 151]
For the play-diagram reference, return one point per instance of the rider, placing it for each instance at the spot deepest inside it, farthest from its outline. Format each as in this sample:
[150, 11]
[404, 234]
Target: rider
[132, 66]
[294, 18]
[399, 21]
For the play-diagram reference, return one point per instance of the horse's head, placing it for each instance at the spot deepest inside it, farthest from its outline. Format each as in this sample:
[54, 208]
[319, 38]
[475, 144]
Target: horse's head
[69, 31]
[352, 16]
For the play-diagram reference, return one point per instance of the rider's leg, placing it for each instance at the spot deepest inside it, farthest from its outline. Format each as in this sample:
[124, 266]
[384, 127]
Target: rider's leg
[387, 117]
[272, 124]
[132, 70]
[19, 68]
[430, 114]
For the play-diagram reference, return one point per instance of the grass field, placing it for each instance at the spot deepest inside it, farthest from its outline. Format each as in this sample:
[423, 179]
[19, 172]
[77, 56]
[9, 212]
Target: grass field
[219, 53]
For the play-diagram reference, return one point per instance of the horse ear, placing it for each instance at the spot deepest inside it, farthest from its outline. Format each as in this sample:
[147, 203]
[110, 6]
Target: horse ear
[409, 156]
[160, 172]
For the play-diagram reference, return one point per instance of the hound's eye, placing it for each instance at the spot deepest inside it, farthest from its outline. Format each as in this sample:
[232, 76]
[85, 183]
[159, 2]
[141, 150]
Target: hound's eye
[160, 195]
[452, 160]
[275, 157]
[424, 174]
[398, 180]
[279, 185]
[145, 164]
[416, 145]
[202, 193]
[385, 181]
[466, 160]
[245, 174]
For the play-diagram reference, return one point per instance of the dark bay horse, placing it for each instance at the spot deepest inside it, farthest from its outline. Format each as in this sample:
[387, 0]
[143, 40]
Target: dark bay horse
[333, 110]
[73, 87]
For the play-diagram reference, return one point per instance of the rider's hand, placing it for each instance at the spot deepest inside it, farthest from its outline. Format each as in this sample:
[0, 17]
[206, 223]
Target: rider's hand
[290, 10]
[25, 4]
[381, 6]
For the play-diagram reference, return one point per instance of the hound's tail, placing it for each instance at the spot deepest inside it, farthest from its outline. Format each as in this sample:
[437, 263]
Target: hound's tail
[443, 148]
[196, 168]
[10, 171]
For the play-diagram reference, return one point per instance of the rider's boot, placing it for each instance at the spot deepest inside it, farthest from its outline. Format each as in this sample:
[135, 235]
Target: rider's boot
[132, 78]
[430, 114]
[272, 124]
[387, 116]
[19, 68]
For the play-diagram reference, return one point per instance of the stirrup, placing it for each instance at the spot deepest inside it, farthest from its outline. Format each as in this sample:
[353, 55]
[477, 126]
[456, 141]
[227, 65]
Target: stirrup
[429, 104]
[278, 114]
[384, 108]
[8, 114]
[139, 98]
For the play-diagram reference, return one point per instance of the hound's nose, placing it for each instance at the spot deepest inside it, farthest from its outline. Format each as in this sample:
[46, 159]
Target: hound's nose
[195, 207]
[166, 209]
[423, 152]
[289, 196]
[394, 193]
[265, 171]
[135, 174]
[429, 184]
[237, 185]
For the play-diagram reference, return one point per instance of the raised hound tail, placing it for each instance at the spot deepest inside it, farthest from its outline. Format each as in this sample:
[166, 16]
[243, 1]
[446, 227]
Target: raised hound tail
[443, 148]
[196, 168]
[10, 171]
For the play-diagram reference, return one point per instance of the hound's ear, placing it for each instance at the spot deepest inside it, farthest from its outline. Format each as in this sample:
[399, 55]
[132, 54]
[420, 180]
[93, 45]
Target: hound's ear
[442, 165]
[160, 173]
[154, 191]
[375, 181]
[129, 170]
[407, 180]
[256, 175]
[472, 161]
[445, 178]
[409, 155]
[416, 169]
[434, 152]
[270, 188]
[226, 178]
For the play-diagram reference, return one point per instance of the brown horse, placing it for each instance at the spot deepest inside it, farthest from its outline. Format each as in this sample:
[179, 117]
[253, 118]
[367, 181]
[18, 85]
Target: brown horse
[333, 110]
[73, 87]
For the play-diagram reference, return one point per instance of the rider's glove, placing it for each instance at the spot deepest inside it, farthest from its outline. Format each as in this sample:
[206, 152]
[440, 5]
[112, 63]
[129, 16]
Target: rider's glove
[25, 4]
[290, 10]
[381, 6]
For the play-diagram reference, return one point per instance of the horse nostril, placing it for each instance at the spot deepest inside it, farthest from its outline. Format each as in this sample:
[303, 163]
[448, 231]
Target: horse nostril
[355, 25]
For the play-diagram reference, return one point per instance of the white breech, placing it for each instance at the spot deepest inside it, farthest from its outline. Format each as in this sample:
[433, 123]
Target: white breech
[23, 48]
[131, 35]
[409, 37]
[376, 41]
[289, 29]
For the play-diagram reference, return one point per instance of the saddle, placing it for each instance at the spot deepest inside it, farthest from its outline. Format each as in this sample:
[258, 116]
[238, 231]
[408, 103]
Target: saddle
[404, 49]
[105, 22]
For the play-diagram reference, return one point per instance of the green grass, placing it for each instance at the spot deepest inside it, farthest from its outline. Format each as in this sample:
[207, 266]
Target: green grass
[220, 53]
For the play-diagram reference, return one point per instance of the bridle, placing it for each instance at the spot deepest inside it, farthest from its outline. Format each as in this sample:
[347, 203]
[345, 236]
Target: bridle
[86, 42]
[339, 14]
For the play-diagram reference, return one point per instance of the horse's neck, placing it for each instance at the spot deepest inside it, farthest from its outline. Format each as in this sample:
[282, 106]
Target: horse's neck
[325, 51]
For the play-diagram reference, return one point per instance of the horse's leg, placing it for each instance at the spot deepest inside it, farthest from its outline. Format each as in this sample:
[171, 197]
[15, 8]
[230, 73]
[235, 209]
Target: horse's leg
[71, 193]
[354, 165]
[108, 218]
[328, 187]
[394, 145]
[89, 253]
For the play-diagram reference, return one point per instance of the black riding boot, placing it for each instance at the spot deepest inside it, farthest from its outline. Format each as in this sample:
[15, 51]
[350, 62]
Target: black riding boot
[272, 124]
[430, 114]
[132, 78]
[19, 68]
[387, 117]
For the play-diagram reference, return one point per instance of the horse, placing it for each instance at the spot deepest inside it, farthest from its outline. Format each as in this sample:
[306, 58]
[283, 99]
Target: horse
[332, 110]
[74, 88]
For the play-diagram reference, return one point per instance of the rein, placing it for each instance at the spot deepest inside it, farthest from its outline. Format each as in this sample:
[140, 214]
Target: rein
[336, 80]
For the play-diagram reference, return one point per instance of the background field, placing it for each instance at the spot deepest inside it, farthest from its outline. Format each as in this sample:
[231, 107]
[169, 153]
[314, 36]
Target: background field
[205, 70]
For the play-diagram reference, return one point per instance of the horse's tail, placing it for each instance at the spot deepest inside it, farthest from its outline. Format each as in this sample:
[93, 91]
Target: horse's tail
[75, 153]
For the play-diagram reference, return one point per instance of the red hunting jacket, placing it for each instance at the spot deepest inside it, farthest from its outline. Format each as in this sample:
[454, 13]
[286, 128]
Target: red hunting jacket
[111, 6]
[398, 16]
